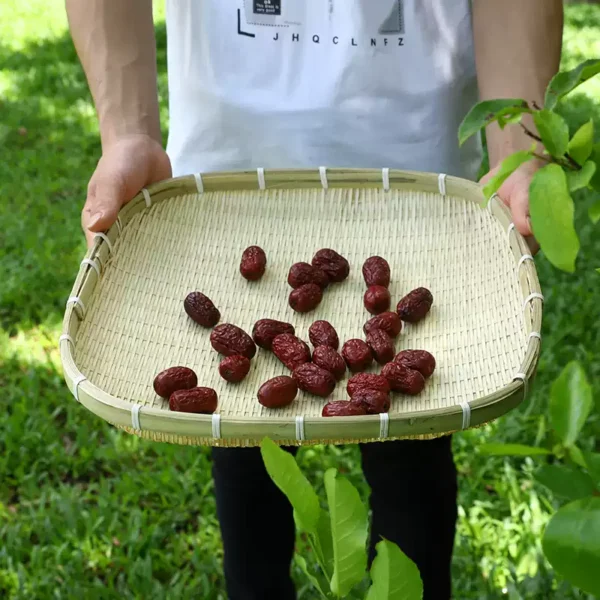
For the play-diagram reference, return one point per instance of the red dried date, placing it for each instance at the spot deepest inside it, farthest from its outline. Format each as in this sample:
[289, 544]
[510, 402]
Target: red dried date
[336, 267]
[420, 360]
[341, 408]
[387, 321]
[173, 379]
[306, 298]
[402, 379]
[367, 381]
[253, 263]
[201, 309]
[291, 350]
[381, 346]
[277, 392]
[376, 271]
[228, 339]
[234, 368]
[322, 333]
[197, 400]
[357, 354]
[415, 305]
[314, 380]
[373, 401]
[265, 331]
[327, 358]
[377, 299]
[302, 273]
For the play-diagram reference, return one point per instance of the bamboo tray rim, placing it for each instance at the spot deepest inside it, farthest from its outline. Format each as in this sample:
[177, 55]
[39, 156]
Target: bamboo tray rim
[154, 422]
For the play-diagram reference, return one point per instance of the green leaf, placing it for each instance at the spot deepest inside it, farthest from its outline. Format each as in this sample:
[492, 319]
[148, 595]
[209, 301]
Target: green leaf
[552, 216]
[580, 145]
[592, 464]
[594, 212]
[566, 482]
[595, 181]
[566, 81]
[495, 449]
[287, 476]
[484, 113]
[312, 578]
[576, 455]
[507, 167]
[570, 403]
[324, 543]
[349, 525]
[571, 543]
[582, 177]
[394, 575]
[553, 130]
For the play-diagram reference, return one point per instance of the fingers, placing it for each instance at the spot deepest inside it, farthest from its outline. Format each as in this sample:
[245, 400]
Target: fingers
[519, 207]
[105, 198]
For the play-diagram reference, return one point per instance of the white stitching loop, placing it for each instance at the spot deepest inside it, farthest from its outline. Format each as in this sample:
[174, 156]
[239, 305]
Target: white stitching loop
[76, 382]
[65, 337]
[104, 237]
[523, 378]
[442, 183]
[91, 263]
[509, 230]
[384, 425]
[385, 176]
[532, 296]
[147, 198]
[260, 173]
[466, 414]
[135, 416]
[78, 302]
[323, 175]
[535, 334]
[300, 428]
[523, 259]
[216, 426]
[199, 183]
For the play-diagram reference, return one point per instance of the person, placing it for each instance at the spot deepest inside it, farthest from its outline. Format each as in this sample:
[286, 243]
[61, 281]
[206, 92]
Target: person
[284, 84]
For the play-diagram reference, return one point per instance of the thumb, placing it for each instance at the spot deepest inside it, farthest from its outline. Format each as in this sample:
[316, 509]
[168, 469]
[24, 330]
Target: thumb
[104, 199]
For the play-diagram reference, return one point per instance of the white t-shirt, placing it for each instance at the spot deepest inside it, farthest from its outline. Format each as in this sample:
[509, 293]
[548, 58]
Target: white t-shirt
[304, 83]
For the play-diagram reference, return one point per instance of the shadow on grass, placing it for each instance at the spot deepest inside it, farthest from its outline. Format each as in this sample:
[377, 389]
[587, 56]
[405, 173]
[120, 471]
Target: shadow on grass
[48, 126]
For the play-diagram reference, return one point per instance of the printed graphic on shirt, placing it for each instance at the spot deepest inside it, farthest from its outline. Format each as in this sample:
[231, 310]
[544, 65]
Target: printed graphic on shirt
[382, 21]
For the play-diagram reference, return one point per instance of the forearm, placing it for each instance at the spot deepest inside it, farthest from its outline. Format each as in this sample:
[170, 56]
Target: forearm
[117, 49]
[517, 51]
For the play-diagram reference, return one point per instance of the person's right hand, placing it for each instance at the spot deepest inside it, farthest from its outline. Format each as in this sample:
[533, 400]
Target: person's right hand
[126, 166]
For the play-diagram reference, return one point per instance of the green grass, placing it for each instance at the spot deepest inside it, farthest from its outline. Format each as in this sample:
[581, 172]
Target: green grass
[89, 512]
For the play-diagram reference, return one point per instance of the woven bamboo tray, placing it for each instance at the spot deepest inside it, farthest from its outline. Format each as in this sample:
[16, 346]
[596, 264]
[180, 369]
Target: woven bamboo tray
[125, 322]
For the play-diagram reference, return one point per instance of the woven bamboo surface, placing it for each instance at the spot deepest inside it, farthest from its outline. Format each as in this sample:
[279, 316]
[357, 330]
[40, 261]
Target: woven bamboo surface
[133, 324]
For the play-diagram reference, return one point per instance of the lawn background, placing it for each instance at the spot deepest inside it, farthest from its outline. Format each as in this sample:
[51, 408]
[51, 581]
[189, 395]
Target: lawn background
[87, 512]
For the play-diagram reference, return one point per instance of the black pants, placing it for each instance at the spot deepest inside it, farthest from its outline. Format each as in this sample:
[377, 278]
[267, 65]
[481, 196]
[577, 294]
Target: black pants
[413, 503]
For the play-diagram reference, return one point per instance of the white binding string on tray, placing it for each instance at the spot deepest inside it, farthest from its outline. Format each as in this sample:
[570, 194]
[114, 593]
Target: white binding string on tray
[147, 198]
[78, 302]
[199, 183]
[300, 427]
[135, 416]
[385, 177]
[323, 175]
[91, 263]
[466, 414]
[442, 183]
[493, 197]
[509, 230]
[104, 237]
[535, 334]
[260, 174]
[65, 337]
[384, 425]
[216, 425]
[523, 378]
[523, 259]
[76, 383]
[532, 296]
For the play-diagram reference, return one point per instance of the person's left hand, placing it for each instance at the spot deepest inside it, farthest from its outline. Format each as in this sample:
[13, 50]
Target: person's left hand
[514, 192]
